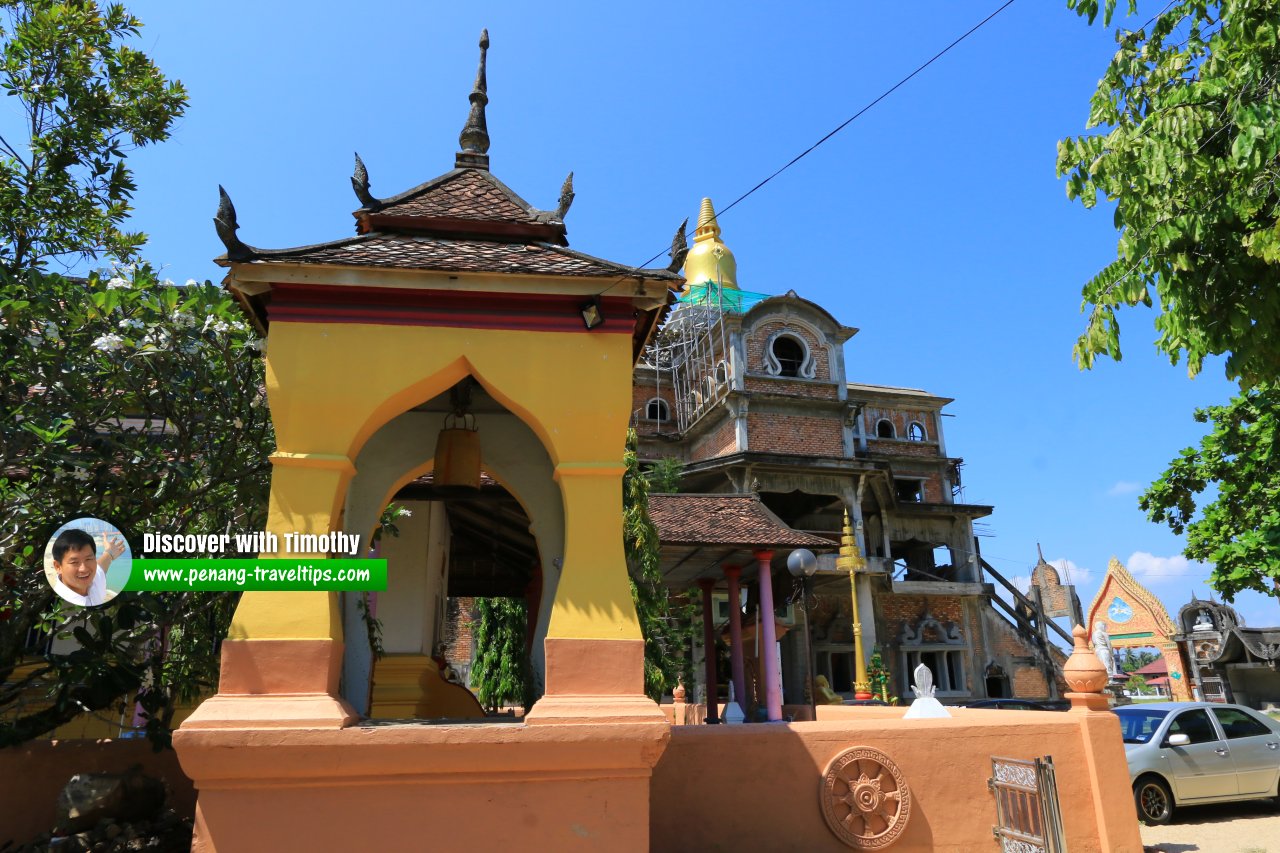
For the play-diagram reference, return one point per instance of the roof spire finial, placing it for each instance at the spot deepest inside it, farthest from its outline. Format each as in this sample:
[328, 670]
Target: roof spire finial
[474, 138]
[710, 262]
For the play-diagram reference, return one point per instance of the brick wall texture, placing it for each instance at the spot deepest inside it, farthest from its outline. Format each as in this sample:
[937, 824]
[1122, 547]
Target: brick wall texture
[901, 419]
[802, 434]
[720, 441]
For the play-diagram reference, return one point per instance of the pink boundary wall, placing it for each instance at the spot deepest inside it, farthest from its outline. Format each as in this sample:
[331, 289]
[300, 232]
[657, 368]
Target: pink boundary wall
[573, 786]
[759, 784]
[31, 776]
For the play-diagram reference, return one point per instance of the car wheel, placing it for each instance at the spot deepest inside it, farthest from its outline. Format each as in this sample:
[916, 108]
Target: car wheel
[1154, 801]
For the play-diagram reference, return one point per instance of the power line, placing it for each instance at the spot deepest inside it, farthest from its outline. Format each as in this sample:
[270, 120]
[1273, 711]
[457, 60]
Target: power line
[850, 120]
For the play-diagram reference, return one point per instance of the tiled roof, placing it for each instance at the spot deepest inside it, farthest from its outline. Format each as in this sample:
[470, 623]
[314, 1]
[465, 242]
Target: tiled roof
[733, 520]
[422, 252]
[461, 194]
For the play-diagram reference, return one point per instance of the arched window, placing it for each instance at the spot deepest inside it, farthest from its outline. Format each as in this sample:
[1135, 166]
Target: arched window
[722, 373]
[657, 410]
[915, 431]
[790, 354]
[884, 429]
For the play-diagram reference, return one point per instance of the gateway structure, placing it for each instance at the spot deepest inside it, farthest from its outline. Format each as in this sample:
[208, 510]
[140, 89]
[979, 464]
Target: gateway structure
[457, 326]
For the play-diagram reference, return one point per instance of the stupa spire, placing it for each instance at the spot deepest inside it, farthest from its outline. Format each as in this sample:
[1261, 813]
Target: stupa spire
[474, 138]
[710, 261]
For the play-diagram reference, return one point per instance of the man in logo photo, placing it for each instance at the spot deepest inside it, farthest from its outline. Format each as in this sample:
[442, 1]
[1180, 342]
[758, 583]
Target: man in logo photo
[82, 573]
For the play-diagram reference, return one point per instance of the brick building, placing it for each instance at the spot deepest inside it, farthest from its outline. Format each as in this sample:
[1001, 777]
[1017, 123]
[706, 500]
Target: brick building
[750, 393]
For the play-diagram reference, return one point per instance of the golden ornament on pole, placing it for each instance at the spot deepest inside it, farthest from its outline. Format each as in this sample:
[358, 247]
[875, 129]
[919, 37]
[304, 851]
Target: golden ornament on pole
[851, 561]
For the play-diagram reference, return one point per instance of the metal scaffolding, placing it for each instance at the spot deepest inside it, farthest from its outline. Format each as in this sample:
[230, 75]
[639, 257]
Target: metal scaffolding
[691, 354]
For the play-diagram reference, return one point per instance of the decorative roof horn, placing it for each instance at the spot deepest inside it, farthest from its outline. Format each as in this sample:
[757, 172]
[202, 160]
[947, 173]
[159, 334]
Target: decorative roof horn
[225, 224]
[679, 248]
[566, 198]
[360, 183]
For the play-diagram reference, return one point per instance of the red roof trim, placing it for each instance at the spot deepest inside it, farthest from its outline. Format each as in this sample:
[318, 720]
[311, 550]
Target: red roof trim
[460, 309]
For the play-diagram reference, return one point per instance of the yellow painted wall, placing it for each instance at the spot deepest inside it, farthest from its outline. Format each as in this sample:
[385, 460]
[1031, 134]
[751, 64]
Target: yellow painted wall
[331, 387]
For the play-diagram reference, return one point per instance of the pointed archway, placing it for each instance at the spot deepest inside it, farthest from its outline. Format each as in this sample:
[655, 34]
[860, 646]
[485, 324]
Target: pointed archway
[1135, 618]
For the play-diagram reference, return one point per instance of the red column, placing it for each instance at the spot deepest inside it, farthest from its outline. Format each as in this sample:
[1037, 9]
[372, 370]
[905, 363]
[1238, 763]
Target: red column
[732, 573]
[709, 651]
[769, 639]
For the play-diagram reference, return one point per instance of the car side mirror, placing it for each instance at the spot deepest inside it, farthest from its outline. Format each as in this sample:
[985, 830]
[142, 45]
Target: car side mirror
[1179, 740]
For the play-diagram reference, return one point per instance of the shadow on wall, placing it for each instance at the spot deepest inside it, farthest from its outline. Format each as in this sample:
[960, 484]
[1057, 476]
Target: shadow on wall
[32, 775]
[765, 782]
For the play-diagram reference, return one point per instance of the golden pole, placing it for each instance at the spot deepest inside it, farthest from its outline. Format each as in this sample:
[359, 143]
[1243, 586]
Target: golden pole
[851, 560]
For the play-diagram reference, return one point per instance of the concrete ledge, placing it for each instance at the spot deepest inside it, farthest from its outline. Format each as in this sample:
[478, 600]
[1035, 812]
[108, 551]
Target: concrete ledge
[440, 787]
[938, 588]
[759, 784]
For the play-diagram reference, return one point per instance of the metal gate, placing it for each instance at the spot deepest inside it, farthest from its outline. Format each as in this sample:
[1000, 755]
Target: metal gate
[1028, 819]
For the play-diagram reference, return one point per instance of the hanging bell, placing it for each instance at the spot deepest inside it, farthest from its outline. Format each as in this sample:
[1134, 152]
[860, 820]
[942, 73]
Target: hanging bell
[457, 459]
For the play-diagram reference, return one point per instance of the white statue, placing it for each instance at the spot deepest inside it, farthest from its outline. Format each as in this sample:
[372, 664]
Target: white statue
[923, 688]
[925, 706]
[1204, 622]
[1102, 648]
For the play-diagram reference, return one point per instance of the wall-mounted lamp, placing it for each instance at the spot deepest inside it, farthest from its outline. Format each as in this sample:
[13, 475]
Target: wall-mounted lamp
[592, 313]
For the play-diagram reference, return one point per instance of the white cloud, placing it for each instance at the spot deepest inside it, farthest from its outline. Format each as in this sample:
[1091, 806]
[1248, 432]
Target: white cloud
[1148, 568]
[1124, 487]
[1022, 582]
[1071, 573]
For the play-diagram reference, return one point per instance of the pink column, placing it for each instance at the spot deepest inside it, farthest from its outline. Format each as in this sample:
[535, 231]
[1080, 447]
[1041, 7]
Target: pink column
[732, 573]
[769, 639]
[709, 651]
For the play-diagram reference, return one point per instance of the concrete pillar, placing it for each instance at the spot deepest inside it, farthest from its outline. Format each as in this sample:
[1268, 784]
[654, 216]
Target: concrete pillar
[739, 675]
[709, 651]
[769, 639]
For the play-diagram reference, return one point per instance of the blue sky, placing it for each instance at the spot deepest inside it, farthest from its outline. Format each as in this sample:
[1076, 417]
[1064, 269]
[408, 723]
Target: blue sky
[934, 223]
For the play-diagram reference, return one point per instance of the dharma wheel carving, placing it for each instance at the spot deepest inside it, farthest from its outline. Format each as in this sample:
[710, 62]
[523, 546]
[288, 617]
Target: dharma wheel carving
[865, 799]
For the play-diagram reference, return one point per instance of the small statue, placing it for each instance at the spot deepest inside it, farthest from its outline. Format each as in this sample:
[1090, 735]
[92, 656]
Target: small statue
[925, 706]
[1204, 622]
[923, 688]
[1102, 648]
[826, 696]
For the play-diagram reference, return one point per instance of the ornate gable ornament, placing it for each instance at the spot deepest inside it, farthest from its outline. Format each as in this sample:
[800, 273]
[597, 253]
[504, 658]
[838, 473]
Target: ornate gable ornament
[1118, 595]
[947, 633]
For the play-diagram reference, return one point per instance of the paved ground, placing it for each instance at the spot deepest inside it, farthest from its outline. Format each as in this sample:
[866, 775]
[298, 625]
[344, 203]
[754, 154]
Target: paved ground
[1252, 827]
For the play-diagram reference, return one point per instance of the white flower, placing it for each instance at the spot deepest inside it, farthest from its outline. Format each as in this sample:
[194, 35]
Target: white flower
[168, 282]
[108, 342]
[81, 475]
[191, 282]
[259, 344]
[117, 283]
[238, 424]
[131, 323]
[406, 512]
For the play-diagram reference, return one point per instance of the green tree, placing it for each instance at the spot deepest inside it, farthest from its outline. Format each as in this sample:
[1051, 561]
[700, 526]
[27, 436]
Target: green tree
[666, 633]
[1187, 146]
[502, 673]
[1137, 660]
[139, 402]
[86, 98]
[1238, 531]
[1136, 684]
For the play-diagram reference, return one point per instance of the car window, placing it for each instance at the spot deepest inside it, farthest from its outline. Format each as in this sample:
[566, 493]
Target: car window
[1138, 724]
[1238, 724]
[1195, 725]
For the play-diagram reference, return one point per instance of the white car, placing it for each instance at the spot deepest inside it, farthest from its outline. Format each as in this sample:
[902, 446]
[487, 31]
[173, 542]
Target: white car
[1188, 753]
